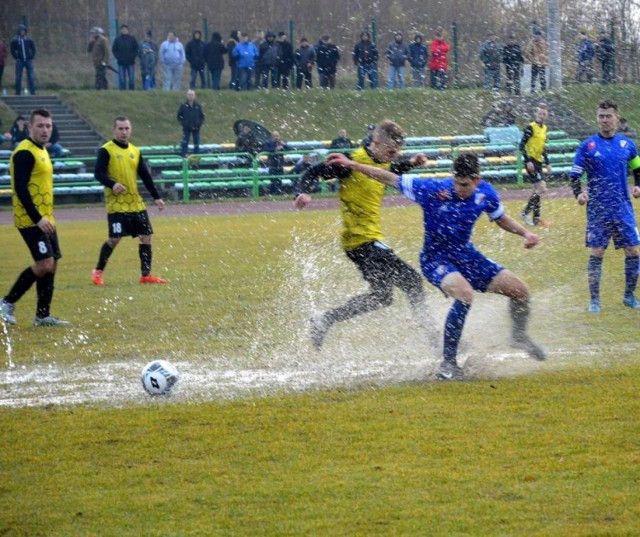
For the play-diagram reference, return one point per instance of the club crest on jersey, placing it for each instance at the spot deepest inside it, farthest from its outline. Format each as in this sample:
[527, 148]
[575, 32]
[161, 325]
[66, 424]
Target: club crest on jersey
[592, 145]
[132, 156]
[623, 143]
[443, 195]
[479, 198]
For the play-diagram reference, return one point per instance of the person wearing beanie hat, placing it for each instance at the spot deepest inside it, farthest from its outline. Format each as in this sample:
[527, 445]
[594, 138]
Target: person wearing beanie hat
[365, 57]
[491, 58]
[397, 54]
[148, 56]
[23, 50]
[418, 55]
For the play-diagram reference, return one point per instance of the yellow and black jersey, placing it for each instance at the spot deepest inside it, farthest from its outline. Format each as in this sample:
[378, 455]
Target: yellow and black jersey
[532, 145]
[361, 202]
[31, 184]
[122, 164]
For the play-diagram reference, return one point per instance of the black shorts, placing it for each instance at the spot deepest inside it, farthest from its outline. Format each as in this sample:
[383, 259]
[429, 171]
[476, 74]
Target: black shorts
[536, 176]
[382, 268]
[129, 224]
[41, 245]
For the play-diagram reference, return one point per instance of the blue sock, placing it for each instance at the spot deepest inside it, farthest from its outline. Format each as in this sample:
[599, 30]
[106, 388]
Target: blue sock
[594, 272]
[631, 266]
[453, 329]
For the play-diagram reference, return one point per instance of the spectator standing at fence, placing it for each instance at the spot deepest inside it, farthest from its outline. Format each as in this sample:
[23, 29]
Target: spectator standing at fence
[32, 194]
[194, 52]
[234, 39]
[23, 50]
[439, 62]
[99, 49]
[585, 52]
[4, 51]
[397, 55]
[305, 58]
[491, 58]
[606, 53]
[327, 58]
[191, 118]
[513, 60]
[606, 158]
[269, 60]
[172, 57]
[148, 57]
[275, 160]
[118, 166]
[287, 61]
[534, 155]
[418, 56]
[365, 57]
[19, 131]
[245, 54]
[125, 51]
[214, 52]
[537, 54]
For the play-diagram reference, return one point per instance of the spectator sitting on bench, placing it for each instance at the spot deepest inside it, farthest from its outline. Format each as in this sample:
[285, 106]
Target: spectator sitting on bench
[246, 141]
[500, 115]
[53, 147]
[275, 161]
[626, 130]
[19, 131]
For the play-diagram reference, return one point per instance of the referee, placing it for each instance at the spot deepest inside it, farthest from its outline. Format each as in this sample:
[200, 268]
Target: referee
[32, 192]
[118, 166]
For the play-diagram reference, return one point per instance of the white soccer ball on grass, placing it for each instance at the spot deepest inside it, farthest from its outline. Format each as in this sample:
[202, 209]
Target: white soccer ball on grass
[159, 377]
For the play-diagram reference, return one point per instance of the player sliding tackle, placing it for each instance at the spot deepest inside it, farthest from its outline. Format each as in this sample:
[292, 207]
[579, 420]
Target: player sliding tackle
[449, 260]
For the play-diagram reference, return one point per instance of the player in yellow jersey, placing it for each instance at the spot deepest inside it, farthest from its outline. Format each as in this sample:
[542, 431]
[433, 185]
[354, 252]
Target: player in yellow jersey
[362, 239]
[32, 187]
[118, 166]
[534, 154]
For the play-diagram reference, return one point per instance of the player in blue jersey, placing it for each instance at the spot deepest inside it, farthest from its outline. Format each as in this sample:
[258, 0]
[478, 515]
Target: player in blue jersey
[448, 258]
[605, 158]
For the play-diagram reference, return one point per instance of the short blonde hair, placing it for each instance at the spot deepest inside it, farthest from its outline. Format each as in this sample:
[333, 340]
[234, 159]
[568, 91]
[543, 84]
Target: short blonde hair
[389, 130]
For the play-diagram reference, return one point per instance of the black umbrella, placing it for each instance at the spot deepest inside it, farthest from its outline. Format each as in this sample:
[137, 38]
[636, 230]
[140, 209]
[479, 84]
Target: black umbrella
[260, 133]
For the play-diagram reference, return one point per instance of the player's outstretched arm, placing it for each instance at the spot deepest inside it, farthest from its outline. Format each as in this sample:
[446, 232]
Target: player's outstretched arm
[384, 176]
[511, 225]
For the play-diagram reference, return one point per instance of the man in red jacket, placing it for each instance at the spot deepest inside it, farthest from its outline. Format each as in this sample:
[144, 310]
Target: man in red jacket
[439, 61]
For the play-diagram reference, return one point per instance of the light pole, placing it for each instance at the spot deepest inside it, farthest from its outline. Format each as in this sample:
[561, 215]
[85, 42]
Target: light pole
[555, 59]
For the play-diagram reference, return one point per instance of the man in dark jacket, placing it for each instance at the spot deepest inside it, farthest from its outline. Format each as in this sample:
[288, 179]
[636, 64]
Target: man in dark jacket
[148, 61]
[606, 54]
[397, 54]
[194, 52]
[286, 60]
[234, 39]
[513, 59]
[327, 58]
[23, 50]
[125, 51]
[269, 60]
[191, 118]
[365, 57]
[304, 58]
[418, 56]
[214, 52]
[491, 58]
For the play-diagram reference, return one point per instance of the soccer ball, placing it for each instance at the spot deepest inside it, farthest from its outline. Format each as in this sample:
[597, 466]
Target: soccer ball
[159, 377]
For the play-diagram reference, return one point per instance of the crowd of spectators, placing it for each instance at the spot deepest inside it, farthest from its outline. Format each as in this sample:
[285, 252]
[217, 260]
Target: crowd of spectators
[269, 60]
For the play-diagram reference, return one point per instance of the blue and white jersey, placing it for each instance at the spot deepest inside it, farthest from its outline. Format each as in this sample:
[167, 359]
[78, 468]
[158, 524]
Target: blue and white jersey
[449, 219]
[606, 163]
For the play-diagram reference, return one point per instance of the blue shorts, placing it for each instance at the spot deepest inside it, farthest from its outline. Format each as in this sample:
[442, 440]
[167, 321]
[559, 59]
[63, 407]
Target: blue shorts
[623, 232]
[477, 269]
